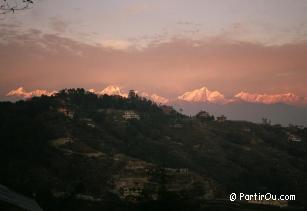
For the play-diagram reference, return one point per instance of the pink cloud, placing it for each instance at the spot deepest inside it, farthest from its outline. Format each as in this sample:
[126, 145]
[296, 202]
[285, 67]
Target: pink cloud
[168, 68]
[116, 44]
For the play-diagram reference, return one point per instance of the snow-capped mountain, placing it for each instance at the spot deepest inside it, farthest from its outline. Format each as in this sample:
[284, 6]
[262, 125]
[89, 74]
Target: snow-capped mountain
[23, 94]
[116, 90]
[280, 108]
[287, 98]
[159, 99]
[154, 97]
[113, 90]
[203, 95]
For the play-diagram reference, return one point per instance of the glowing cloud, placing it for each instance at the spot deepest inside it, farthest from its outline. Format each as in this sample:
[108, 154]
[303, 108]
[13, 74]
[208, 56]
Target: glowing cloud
[116, 44]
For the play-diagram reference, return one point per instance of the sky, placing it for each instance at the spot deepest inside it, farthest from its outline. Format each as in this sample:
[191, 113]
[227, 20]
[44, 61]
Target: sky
[167, 47]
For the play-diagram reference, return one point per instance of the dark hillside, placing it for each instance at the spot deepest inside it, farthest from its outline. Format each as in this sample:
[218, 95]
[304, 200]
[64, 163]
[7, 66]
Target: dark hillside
[79, 151]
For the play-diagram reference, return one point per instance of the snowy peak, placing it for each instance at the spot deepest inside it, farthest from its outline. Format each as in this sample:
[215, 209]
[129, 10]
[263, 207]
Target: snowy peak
[154, 97]
[22, 93]
[116, 90]
[203, 95]
[113, 90]
[159, 99]
[288, 98]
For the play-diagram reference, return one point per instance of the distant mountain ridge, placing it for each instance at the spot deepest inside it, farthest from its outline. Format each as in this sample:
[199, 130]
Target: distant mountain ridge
[202, 94]
[280, 108]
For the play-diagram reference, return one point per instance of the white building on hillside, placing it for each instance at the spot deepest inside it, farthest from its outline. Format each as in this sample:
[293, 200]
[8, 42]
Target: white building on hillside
[294, 138]
[131, 115]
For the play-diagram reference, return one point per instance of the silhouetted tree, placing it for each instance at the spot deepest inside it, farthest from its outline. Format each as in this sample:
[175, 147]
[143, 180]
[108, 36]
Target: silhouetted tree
[132, 94]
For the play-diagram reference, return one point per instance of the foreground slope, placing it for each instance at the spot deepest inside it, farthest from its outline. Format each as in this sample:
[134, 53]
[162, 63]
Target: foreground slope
[79, 151]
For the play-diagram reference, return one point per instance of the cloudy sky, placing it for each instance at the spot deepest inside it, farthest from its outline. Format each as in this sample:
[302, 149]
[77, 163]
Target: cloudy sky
[159, 46]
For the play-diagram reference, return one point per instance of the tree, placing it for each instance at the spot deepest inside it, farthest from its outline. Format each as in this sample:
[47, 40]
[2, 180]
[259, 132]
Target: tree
[132, 94]
[10, 6]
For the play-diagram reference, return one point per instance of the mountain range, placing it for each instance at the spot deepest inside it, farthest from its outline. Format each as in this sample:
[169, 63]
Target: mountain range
[285, 108]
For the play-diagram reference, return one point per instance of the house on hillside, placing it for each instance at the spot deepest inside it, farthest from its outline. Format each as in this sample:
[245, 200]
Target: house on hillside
[221, 118]
[167, 109]
[294, 138]
[131, 188]
[296, 127]
[247, 129]
[177, 125]
[10, 200]
[204, 115]
[266, 121]
[68, 113]
[89, 122]
[136, 165]
[301, 127]
[177, 171]
[131, 115]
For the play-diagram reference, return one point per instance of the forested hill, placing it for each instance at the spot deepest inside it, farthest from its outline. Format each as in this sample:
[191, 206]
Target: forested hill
[79, 151]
